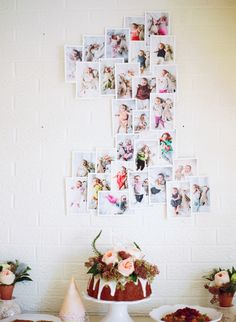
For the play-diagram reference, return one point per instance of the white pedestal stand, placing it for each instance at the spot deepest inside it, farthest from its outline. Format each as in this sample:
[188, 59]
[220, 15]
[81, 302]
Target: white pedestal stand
[118, 311]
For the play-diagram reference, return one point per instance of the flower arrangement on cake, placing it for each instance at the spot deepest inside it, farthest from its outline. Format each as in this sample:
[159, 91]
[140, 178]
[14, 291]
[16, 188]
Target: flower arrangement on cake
[222, 284]
[120, 274]
[10, 274]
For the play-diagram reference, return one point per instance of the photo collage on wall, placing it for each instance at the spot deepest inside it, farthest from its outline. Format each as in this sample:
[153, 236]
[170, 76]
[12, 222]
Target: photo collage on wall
[134, 65]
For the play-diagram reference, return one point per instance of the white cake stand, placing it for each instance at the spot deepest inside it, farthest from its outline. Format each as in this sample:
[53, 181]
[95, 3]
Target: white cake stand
[118, 311]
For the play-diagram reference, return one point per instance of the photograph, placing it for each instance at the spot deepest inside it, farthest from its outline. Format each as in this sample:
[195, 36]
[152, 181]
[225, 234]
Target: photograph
[141, 122]
[136, 26]
[166, 78]
[178, 199]
[145, 154]
[140, 53]
[94, 48]
[119, 174]
[83, 163]
[117, 43]
[72, 55]
[157, 24]
[138, 189]
[142, 88]
[104, 157]
[166, 147]
[114, 203]
[97, 182]
[76, 195]
[125, 147]
[184, 168]
[157, 178]
[107, 82]
[122, 115]
[124, 77]
[162, 50]
[87, 80]
[200, 194]
[162, 111]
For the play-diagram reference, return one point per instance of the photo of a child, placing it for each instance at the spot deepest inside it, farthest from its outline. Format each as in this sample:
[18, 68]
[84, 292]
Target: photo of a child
[97, 182]
[125, 147]
[72, 55]
[141, 121]
[158, 176]
[83, 163]
[104, 158]
[166, 147]
[114, 203]
[184, 168]
[87, 80]
[200, 194]
[122, 115]
[124, 79]
[94, 48]
[76, 195]
[107, 75]
[156, 23]
[119, 174]
[162, 111]
[140, 53]
[142, 88]
[136, 26]
[166, 78]
[138, 189]
[145, 154]
[178, 199]
[117, 43]
[161, 50]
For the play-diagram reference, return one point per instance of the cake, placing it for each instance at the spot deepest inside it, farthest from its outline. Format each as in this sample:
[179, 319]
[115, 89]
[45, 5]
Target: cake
[120, 274]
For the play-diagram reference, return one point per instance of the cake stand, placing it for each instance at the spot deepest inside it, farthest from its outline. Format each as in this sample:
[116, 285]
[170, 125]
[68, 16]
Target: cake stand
[118, 311]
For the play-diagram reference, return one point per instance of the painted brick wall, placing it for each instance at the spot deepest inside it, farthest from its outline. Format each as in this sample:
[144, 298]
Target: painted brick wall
[41, 123]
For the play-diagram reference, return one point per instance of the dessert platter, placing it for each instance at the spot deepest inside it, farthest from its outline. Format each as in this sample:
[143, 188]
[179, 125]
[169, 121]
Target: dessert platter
[30, 317]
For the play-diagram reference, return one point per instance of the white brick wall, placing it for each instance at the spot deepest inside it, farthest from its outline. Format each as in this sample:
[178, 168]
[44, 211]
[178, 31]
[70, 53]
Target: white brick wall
[41, 123]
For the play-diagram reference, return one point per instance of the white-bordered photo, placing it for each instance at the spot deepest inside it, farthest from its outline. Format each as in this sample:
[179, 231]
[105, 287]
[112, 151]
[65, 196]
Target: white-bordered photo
[162, 50]
[94, 48]
[141, 122]
[156, 23]
[122, 115]
[124, 78]
[76, 195]
[140, 53]
[125, 147]
[166, 147]
[136, 24]
[200, 194]
[104, 158]
[107, 75]
[117, 43]
[83, 163]
[97, 182]
[138, 189]
[178, 199]
[166, 78]
[162, 112]
[145, 153]
[72, 55]
[114, 203]
[183, 168]
[119, 174]
[157, 178]
[142, 88]
[87, 80]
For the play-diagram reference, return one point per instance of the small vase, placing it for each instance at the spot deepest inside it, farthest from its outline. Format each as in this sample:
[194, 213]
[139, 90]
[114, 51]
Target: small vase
[6, 292]
[9, 308]
[226, 299]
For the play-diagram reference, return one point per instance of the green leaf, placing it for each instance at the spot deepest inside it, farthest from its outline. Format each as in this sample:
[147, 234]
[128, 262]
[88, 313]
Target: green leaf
[93, 270]
[133, 277]
[96, 251]
[137, 246]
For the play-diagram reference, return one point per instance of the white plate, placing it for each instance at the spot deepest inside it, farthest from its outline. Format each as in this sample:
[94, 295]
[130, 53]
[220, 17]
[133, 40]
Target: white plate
[158, 314]
[32, 317]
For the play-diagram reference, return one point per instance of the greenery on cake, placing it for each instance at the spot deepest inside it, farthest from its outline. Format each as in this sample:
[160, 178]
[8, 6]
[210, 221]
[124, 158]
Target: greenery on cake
[120, 265]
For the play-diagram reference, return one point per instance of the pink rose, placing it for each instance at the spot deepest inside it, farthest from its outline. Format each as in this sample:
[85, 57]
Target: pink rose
[126, 267]
[221, 278]
[7, 277]
[110, 257]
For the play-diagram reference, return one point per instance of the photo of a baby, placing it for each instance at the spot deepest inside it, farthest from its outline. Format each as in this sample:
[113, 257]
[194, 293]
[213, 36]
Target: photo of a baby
[184, 168]
[142, 88]
[138, 189]
[87, 80]
[178, 199]
[94, 48]
[166, 147]
[107, 75]
[72, 55]
[156, 23]
[117, 43]
[166, 78]
[125, 147]
[161, 50]
[119, 174]
[136, 26]
[162, 111]
[157, 177]
[140, 53]
[141, 122]
[114, 203]
[97, 182]
[76, 195]
[145, 154]
[104, 158]
[122, 116]
[200, 194]
[83, 163]
[124, 79]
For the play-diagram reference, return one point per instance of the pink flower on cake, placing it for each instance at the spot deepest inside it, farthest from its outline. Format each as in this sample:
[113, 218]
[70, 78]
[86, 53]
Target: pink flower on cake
[222, 278]
[7, 277]
[126, 267]
[110, 257]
